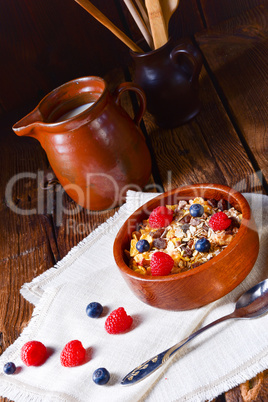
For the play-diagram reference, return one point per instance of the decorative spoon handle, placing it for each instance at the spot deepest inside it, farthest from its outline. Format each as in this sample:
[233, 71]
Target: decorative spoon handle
[151, 365]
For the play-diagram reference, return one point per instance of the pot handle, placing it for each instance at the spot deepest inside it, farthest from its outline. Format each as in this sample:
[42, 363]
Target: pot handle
[192, 54]
[129, 86]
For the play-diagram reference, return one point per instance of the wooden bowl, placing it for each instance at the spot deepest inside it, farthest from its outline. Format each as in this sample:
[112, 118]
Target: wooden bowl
[203, 284]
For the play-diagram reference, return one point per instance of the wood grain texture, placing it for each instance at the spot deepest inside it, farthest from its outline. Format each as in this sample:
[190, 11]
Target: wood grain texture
[237, 53]
[186, 20]
[217, 11]
[25, 251]
[48, 43]
[254, 390]
[187, 154]
[41, 53]
[157, 23]
[99, 16]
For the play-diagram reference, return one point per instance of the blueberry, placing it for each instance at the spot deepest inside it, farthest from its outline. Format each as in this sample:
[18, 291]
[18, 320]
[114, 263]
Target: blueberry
[196, 210]
[202, 245]
[142, 245]
[9, 368]
[94, 309]
[101, 376]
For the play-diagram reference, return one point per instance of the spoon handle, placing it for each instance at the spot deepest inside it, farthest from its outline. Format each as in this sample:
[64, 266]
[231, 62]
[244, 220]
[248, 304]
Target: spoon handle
[151, 365]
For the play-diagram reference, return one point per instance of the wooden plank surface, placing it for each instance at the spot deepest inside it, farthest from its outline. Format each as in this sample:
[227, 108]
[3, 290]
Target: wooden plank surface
[213, 147]
[207, 149]
[46, 43]
[215, 12]
[236, 53]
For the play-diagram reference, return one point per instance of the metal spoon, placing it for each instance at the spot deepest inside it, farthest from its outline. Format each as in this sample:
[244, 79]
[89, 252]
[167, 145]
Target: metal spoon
[251, 304]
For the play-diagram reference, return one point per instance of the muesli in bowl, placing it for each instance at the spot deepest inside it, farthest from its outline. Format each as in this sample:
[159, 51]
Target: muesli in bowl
[190, 232]
[196, 286]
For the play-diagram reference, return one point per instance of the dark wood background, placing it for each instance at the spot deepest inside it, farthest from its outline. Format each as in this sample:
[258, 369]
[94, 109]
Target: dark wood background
[46, 43]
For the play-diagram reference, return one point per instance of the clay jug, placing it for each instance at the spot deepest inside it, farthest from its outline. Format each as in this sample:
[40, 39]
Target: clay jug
[95, 148]
[169, 77]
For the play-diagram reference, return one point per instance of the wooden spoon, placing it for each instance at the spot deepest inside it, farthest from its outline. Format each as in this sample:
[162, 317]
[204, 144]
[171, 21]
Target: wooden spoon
[168, 8]
[157, 22]
[97, 14]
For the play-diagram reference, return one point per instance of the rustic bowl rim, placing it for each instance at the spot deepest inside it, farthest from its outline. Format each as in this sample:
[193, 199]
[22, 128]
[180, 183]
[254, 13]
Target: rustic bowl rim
[242, 232]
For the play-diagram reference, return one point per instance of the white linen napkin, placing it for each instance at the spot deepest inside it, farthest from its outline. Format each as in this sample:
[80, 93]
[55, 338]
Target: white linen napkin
[212, 363]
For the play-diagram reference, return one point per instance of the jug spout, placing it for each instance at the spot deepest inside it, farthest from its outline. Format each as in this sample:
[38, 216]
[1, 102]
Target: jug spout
[26, 126]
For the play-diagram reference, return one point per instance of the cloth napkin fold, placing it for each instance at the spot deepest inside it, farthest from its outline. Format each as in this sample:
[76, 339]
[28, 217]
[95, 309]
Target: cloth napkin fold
[219, 359]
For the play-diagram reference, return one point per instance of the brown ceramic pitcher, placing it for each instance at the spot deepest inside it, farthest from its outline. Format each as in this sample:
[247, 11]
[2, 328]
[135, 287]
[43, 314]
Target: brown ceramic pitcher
[169, 77]
[95, 149]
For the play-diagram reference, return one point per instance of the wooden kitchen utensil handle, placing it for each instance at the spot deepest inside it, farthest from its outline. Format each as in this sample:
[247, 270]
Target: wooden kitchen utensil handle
[143, 12]
[97, 14]
[139, 21]
[157, 22]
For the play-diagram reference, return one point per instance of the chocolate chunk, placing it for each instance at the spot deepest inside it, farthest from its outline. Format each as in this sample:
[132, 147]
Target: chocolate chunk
[234, 223]
[187, 252]
[228, 232]
[178, 214]
[186, 219]
[205, 227]
[212, 202]
[139, 226]
[222, 204]
[185, 227]
[190, 243]
[160, 243]
[157, 233]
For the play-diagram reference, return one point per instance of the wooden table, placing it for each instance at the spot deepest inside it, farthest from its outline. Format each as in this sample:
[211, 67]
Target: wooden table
[226, 143]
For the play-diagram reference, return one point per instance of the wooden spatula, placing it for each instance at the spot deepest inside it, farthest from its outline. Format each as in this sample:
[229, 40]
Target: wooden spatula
[157, 23]
[168, 8]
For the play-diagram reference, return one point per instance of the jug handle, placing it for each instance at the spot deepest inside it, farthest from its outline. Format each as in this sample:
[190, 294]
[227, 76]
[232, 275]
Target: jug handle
[192, 54]
[129, 86]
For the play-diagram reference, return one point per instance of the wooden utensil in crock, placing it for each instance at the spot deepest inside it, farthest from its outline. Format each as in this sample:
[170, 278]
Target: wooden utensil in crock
[203, 284]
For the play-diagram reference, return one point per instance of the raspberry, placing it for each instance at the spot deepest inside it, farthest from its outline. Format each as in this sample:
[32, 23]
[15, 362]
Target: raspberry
[73, 354]
[33, 353]
[160, 217]
[219, 221]
[118, 321]
[161, 263]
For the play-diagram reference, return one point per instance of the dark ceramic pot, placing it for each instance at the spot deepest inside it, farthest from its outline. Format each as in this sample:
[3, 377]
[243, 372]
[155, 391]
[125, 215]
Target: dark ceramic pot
[169, 77]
